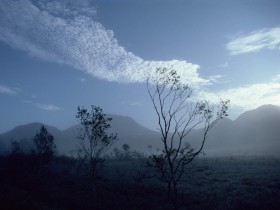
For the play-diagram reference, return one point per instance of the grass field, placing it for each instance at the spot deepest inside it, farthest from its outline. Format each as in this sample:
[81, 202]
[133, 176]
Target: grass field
[209, 183]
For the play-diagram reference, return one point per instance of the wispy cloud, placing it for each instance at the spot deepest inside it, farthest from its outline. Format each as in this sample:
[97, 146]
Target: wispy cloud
[47, 107]
[82, 80]
[136, 104]
[255, 41]
[224, 65]
[220, 79]
[249, 96]
[130, 103]
[68, 34]
[276, 78]
[7, 90]
[62, 8]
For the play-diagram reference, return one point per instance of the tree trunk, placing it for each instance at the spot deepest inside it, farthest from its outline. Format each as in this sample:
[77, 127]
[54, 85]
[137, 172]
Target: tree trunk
[174, 186]
[169, 189]
[174, 194]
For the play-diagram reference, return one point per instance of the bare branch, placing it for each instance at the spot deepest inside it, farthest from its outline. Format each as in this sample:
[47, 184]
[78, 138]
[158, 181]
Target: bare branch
[177, 116]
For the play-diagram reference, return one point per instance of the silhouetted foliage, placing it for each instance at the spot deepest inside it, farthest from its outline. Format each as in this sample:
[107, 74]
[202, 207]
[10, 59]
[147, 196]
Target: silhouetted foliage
[126, 154]
[126, 149]
[23, 145]
[93, 137]
[177, 116]
[44, 147]
[212, 183]
[15, 148]
[117, 153]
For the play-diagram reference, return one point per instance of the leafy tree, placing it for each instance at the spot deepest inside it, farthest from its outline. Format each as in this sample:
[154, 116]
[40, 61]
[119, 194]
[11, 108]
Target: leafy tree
[44, 146]
[15, 148]
[22, 146]
[126, 149]
[117, 153]
[177, 115]
[93, 137]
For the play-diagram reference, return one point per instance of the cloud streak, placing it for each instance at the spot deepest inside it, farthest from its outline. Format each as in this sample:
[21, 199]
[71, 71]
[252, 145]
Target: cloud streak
[276, 78]
[255, 41]
[7, 91]
[61, 33]
[249, 96]
[47, 107]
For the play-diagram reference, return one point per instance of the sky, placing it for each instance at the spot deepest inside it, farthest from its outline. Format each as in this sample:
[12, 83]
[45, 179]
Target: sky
[58, 55]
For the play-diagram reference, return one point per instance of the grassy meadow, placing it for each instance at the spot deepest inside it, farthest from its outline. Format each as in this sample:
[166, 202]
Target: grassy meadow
[209, 183]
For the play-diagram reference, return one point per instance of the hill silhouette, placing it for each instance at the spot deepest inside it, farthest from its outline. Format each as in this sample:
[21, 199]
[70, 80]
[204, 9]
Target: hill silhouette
[129, 132]
[255, 132]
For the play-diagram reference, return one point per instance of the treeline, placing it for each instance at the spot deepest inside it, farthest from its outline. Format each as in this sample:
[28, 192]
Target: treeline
[34, 176]
[28, 181]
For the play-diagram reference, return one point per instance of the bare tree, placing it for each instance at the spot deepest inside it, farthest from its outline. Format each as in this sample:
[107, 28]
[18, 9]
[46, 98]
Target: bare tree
[93, 137]
[177, 115]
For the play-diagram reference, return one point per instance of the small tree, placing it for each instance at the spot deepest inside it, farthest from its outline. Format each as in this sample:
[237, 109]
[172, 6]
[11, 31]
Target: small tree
[15, 148]
[22, 146]
[117, 153]
[126, 149]
[93, 138]
[177, 115]
[44, 147]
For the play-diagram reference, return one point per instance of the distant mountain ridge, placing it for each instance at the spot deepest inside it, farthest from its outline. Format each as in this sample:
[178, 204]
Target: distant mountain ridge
[125, 127]
[255, 132]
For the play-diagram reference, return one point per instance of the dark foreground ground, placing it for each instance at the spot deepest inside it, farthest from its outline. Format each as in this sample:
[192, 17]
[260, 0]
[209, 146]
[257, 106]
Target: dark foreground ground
[209, 183]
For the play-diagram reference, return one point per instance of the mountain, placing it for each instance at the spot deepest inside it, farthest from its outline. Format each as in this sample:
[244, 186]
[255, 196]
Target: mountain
[259, 130]
[27, 132]
[255, 132]
[128, 131]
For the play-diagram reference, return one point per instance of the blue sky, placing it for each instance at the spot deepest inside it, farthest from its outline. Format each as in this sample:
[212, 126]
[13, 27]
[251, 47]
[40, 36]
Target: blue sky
[56, 55]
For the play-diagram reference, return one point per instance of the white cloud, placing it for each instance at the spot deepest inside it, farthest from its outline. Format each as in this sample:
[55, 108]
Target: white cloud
[276, 78]
[48, 107]
[218, 79]
[6, 90]
[63, 7]
[255, 41]
[45, 107]
[247, 97]
[58, 32]
[224, 65]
